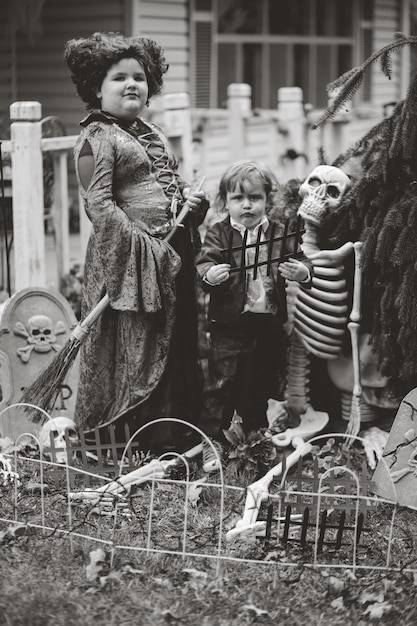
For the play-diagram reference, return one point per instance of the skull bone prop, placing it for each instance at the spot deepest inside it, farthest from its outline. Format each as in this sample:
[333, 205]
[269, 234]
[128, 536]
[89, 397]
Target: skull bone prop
[58, 426]
[322, 191]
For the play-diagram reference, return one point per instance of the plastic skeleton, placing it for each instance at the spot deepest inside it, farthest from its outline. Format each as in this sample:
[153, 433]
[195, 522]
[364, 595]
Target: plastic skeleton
[320, 317]
[321, 313]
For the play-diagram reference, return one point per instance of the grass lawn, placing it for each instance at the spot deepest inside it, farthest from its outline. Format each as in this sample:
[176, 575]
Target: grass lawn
[48, 580]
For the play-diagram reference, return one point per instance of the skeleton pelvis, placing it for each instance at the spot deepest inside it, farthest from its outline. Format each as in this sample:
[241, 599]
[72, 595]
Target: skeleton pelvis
[341, 369]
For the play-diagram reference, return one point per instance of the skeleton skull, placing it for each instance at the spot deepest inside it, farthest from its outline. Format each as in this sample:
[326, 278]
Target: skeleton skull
[58, 426]
[41, 333]
[322, 190]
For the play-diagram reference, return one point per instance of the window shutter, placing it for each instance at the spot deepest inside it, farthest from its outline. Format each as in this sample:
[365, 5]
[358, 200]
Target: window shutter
[202, 77]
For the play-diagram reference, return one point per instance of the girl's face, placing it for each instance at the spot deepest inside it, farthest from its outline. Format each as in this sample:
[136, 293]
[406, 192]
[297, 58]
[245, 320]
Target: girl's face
[124, 91]
[247, 204]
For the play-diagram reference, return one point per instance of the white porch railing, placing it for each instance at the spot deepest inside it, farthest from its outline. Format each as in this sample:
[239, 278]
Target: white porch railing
[204, 141]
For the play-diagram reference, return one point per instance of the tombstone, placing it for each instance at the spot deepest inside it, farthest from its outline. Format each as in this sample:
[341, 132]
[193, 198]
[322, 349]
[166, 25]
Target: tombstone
[396, 474]
[35, 323]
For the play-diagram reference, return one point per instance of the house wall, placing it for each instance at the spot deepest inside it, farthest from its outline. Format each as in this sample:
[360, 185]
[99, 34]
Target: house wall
[167, 22]
[40, 71]
[387, 22]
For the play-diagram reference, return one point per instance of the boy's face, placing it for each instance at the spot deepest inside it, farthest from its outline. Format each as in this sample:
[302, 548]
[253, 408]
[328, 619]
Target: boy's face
[247, 204]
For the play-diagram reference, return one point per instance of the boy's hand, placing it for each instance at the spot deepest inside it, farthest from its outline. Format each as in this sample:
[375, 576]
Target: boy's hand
[218, 274]
[294, 270]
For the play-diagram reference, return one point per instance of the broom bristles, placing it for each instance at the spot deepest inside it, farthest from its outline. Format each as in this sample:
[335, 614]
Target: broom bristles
[45, 388]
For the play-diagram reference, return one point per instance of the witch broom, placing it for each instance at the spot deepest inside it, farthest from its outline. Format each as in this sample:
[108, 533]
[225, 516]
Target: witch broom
[45, 388]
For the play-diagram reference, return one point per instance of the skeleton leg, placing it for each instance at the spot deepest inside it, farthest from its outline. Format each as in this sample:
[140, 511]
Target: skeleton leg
[354, 325]
[258, 492]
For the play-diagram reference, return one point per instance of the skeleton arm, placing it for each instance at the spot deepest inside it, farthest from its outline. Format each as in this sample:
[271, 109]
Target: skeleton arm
[155, 470]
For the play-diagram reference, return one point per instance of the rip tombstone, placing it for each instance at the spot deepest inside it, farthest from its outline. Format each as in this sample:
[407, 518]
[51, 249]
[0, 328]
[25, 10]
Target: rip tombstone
[34, 325]
[396, 474]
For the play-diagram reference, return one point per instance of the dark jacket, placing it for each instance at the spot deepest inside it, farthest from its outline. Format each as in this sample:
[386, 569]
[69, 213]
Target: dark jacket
[227, 300]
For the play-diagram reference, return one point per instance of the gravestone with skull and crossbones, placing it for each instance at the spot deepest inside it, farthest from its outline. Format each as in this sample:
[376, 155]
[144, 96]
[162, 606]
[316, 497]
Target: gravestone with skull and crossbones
[35, 324]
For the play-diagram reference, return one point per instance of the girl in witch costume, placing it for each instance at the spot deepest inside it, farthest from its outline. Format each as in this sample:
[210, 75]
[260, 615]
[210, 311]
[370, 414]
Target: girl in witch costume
[140, 361]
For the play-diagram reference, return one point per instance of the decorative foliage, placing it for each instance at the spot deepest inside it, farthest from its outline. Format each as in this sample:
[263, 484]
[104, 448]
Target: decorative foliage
[254, 453]
[381, 210]
[348, 84]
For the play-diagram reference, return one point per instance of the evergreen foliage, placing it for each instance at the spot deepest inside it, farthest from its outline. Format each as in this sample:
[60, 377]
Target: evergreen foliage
[381, 211]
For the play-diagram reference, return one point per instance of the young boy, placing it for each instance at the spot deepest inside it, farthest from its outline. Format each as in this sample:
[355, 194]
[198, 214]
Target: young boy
[246, 317]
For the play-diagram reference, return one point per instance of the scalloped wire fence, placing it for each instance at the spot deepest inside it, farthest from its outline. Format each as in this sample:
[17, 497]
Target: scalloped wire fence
[179, 512]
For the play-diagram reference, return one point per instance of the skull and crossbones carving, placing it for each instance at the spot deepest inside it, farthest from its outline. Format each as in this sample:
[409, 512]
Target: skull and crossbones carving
[40, 335]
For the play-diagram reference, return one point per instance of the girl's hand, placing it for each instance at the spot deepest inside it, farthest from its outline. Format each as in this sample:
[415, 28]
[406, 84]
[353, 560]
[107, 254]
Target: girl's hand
[218, 273]
[294, 270]
[194, 198]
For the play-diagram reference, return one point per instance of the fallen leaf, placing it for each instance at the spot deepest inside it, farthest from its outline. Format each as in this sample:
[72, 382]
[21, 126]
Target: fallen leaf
[114, 575]
[194, 492]
[336, 584]
[251, 608]
[97, 562]
[377, 610]
[196, 579]
[367, 597]
[337, 604]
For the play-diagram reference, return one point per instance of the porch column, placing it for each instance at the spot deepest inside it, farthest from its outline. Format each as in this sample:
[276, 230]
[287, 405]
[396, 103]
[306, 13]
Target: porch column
[239, 104]
[28, 199]
[292, 121]
[177, 126]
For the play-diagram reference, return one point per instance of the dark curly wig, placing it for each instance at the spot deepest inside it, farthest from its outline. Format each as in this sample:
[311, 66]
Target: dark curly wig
[89, 60]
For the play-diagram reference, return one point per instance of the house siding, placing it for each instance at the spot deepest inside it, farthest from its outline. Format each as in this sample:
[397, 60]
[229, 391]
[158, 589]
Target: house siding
[41, 74]
[386, 23]
[167, 22]
[40, 69]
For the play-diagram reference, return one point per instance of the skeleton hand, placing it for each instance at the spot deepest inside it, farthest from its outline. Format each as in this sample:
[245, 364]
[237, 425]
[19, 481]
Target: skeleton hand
[375, 440]
[294, 270]
[102, 502]
[218, 274]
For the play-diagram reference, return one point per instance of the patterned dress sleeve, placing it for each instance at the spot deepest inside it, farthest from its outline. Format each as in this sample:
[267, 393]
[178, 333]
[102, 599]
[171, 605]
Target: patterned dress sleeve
[135, 266]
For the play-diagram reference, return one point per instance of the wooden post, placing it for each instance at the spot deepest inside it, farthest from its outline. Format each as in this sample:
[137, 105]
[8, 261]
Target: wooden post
[239, 104]
[28, 199]
[292, 121]
[61, 214]
[178, 128]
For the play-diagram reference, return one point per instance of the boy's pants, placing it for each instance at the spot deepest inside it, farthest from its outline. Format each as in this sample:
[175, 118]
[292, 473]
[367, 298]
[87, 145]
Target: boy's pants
[246, 366]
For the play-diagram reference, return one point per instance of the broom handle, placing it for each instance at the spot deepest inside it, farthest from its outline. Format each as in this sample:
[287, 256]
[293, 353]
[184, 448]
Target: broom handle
[183, 213]
[80, 330]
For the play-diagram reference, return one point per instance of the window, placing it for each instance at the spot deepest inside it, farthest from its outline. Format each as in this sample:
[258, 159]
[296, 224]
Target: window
[279, 43]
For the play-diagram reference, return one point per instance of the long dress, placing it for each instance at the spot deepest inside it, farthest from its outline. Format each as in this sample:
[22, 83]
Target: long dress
[140, 361]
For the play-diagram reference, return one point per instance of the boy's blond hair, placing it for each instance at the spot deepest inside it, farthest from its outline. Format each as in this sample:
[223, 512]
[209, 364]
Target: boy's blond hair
[237, 175]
